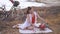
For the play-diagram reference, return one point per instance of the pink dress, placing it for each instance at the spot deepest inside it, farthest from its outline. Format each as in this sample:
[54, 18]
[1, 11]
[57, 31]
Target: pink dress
[26, 23]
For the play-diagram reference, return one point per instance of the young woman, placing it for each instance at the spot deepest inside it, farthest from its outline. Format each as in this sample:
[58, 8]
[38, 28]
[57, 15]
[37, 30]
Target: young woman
[31, 20]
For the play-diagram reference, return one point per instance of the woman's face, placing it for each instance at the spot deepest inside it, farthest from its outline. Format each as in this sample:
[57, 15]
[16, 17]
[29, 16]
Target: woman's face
[31, 11]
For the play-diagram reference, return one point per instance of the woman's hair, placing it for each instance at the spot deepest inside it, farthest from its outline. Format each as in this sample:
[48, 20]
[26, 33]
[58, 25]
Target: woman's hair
[29, 8]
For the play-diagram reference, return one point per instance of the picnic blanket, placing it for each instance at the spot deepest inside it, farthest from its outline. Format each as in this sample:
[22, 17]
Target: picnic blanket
[36, 30]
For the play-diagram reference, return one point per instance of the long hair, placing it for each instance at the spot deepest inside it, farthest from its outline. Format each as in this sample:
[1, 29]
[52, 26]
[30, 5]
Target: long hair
[29, 8]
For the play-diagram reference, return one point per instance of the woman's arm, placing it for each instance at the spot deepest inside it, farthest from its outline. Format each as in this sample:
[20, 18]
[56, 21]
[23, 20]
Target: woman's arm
[28, 18]
[41, 18]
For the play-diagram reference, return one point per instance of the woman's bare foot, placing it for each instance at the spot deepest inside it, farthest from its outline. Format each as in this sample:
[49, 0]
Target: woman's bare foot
[15, 26]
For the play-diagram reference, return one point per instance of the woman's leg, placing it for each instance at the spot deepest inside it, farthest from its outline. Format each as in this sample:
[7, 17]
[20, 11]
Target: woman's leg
[29, 28]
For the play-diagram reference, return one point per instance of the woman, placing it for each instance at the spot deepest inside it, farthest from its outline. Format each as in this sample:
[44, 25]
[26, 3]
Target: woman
[31, 20]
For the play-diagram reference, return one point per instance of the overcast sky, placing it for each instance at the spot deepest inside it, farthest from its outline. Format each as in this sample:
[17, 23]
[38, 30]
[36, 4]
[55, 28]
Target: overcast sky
[23, 4]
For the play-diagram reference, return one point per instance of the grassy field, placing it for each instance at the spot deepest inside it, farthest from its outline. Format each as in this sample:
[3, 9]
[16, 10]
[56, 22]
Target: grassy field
[52, 19]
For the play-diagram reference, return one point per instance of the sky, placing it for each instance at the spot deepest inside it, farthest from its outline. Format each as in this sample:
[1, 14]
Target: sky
[7, 4]
[23, 4]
